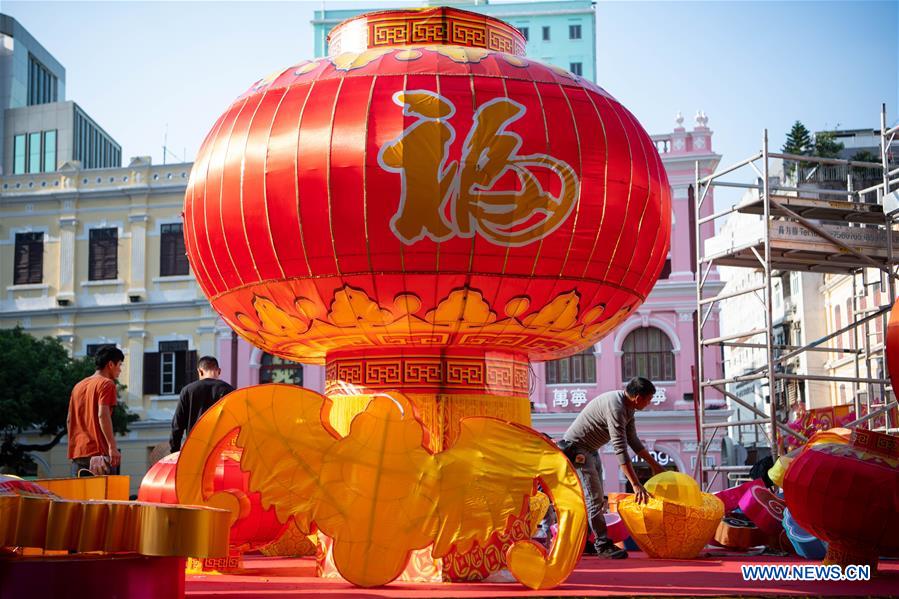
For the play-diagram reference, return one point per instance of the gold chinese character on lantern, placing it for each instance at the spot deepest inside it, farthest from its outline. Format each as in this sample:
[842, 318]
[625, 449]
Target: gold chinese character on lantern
[441, 198]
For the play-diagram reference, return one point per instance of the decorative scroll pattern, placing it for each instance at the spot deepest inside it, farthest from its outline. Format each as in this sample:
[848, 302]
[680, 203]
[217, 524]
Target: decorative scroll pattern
[433, 26]
[205, 565]
[885, 445]
[301, 330]
[428, 373]
[428, 32]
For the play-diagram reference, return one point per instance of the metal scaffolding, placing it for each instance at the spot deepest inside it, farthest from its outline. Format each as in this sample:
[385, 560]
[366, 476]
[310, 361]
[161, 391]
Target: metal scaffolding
[808, 227]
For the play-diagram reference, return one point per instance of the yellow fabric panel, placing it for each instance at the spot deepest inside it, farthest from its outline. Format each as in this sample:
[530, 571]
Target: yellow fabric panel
[675, 487]
[439, 413]
[777, 472]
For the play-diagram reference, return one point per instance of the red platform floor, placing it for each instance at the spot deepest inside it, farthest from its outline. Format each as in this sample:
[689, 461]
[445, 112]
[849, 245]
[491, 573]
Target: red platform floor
[636, 576]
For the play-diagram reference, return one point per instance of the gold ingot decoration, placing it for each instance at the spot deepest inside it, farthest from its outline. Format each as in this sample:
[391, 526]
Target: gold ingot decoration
[677, 522]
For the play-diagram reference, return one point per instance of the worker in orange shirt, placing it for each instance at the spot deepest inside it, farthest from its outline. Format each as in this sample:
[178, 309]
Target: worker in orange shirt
[89, 423]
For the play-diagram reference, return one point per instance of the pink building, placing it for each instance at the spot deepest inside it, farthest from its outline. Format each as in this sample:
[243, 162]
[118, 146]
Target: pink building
[657, 342]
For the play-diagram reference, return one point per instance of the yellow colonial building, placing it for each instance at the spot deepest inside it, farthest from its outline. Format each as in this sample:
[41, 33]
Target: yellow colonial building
[96, 256]
[848, 300]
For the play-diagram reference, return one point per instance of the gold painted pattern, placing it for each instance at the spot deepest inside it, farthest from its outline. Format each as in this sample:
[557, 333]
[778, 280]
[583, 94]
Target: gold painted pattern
[429, 26]
[463, 318]
[421, 373]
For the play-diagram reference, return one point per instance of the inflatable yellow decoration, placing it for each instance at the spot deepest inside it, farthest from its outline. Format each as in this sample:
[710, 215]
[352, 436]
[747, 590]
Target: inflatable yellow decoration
[679, 519]
[378, 492]
[675, 487]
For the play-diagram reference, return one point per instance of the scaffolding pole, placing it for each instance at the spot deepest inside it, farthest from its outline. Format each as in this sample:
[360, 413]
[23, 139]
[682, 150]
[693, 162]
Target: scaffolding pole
[807, 203]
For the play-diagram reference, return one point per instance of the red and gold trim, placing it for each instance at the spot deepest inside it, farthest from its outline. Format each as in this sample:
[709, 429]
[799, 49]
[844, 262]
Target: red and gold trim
[873, 442]
[423, 371]
[429, 26]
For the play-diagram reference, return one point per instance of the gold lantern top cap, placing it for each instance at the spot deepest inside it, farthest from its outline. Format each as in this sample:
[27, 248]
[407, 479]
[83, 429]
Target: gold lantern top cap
[432, 26]
[675, 487]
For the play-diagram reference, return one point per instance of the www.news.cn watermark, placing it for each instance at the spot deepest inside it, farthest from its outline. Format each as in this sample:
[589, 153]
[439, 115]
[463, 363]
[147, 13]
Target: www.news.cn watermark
[805, 572]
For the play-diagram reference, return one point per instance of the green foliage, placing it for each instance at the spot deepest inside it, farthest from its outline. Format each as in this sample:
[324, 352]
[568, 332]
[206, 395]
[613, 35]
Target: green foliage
[36, 380]
[826, 146]
[866, 156]
[799, 140]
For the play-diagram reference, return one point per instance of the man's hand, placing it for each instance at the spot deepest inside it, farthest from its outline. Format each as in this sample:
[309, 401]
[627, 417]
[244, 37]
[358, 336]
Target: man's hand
[641, 495]
[647, 457]
[115, 456]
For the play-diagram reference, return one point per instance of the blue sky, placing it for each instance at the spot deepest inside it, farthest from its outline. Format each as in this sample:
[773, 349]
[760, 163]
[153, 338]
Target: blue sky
[143, 68]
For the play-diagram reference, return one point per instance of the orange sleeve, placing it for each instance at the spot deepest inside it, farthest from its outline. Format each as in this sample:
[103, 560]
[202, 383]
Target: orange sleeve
[108, 394]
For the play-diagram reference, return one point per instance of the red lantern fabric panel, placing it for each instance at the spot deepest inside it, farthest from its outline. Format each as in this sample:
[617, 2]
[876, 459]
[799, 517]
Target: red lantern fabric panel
[425, 171]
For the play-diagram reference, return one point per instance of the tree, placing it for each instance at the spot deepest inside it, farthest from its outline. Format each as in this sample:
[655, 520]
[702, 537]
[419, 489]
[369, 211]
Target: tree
[826, 146]
[799, 140]
[36, 380]
[865, 156]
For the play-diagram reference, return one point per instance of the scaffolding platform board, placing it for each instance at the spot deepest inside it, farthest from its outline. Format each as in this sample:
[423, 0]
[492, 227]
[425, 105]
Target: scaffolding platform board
[817, 209]
[795, 247]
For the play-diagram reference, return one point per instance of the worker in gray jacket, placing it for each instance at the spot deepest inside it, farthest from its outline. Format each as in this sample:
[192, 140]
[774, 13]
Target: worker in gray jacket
[608, 418]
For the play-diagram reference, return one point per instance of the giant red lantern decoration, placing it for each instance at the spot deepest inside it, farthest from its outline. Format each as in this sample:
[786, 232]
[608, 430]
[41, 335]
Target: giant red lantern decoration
[426, 209]
[409, 198]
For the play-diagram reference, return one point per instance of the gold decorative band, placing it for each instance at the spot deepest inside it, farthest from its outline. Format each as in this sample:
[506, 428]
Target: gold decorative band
[113, 526]
[496, 373]
[422, 27]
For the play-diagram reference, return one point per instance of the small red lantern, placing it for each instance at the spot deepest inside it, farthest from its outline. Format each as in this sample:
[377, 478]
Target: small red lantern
[848, 495]
[254, 527]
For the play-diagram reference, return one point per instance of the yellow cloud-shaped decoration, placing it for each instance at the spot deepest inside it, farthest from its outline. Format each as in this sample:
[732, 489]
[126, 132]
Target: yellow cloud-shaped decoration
[378, 492]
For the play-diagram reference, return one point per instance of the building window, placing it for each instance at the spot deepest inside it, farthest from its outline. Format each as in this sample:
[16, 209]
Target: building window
[526, 33]
[34, 153]
[579, 368]
[849, 336]
[103, 254]
[574, 32]
[172, 256]
[19, 155]
[647, 352]
[838, 324]
[43, 86]
[168, 370]
[91, 146]
[29, 259]
[91, 349]
[577, 68]
[49, 151]
[545, 34]
[273, 369]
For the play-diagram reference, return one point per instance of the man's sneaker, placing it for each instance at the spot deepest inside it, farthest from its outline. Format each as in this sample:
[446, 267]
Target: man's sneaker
[609, 550]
